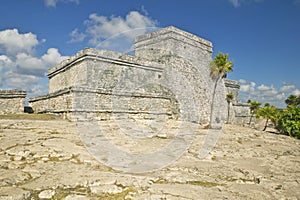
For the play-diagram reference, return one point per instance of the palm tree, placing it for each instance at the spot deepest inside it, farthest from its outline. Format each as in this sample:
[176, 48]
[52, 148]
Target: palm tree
[254, 106]
[293, 100]
[268, 112]
[220, 66]
[229, 98]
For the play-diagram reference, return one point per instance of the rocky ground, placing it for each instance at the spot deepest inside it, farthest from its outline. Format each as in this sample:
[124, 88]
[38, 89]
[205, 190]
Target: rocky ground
[48, 160]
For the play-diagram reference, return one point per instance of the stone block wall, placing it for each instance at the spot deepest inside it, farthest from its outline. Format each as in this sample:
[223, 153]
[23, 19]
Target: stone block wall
[109, 83]
[186, 60]
[168, 76]
[12, 101]
[56, 102]
[239, 113]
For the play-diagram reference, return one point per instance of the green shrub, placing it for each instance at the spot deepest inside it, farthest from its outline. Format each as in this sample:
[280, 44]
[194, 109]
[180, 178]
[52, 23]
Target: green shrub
[289, 122]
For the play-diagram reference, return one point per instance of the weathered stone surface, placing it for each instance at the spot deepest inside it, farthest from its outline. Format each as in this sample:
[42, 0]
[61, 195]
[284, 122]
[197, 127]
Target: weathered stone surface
[168, 77]
[13, 193]
[46, 194]
[245, 164]
[12, 101]
[76, 197]
[106, 189]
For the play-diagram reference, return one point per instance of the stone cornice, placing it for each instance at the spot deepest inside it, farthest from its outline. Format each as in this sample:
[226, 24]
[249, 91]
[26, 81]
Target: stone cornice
[105, 56]
[12, 94]
[174, 33]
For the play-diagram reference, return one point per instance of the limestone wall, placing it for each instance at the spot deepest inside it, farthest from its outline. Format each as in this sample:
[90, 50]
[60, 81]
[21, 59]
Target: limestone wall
[169, 75]
[186, 60]
[12, 101]
[56, 102]
[239, 113]
[233, 88]
[107, 82]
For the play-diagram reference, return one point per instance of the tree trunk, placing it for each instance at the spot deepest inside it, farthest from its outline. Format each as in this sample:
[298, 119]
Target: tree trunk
[228, 112]
[212, 103]
[250, 120]
[266, 124]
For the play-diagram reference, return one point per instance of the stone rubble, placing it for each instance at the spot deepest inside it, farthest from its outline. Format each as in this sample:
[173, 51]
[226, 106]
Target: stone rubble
[47, 160]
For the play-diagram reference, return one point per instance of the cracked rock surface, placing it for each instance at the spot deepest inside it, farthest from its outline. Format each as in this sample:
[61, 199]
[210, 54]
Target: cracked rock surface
[48, 160]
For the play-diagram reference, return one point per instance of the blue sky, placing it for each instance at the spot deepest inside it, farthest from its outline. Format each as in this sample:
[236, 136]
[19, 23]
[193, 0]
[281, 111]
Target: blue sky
[262, 37]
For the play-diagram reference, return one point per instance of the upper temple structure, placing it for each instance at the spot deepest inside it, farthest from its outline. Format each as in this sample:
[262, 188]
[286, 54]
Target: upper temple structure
[168, 77]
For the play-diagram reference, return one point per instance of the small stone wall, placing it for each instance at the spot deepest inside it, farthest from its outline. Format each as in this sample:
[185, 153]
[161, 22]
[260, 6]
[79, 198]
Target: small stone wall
[71, 103]
[239, 113]
[12, 101]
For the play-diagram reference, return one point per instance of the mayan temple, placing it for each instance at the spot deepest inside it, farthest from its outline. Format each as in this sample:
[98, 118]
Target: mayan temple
[169, 77]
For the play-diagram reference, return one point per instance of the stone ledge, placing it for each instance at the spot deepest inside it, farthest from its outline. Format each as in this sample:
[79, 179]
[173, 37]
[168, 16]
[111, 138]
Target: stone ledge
[12, 94]
[98, 91]
[232, 83]
[105, 56]
[172, 32]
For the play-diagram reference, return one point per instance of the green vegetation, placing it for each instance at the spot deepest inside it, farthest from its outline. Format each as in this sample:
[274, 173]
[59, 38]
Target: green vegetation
[29, 116]
[268, 112]
[220, 66]
[286, 121]
[289, 119]
[254, 106]
[229, 98]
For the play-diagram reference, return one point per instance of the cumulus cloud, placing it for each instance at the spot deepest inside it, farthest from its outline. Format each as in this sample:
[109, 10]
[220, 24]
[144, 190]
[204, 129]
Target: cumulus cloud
[20, 68]
[52, 57]
[15, 80]
[287, 88]
[104, 32]
[296, 92]
[238, 3]
[266, 93]
[52, 3]
[12, 42]
[247, 86]
[76, 36]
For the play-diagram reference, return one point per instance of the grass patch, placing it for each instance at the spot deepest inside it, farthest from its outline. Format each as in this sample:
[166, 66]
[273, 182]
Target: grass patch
[193, 182]
[204, 183]
[29, 116]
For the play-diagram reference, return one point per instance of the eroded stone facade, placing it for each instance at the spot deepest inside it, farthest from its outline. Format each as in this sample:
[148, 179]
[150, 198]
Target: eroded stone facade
[239, 113]
[12, 101]
[168, 77]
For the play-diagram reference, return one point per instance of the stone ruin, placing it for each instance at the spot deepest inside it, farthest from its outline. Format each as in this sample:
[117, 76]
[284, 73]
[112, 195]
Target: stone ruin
[168, 77]
[12, 101]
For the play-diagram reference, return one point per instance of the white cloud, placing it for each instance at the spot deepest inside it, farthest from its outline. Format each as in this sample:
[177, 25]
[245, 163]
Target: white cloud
[287, 87]
[100, 28]
[52, 57]
[296, 92]
[242, 81]
[238, 3]
[16, 80]
[263, 87]
[115, 32]
[20, 68]
[247, 86]
[5, 62]
[52, 3]
[28, 64]
[76, 36]
[12, 42]
[265, 93]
